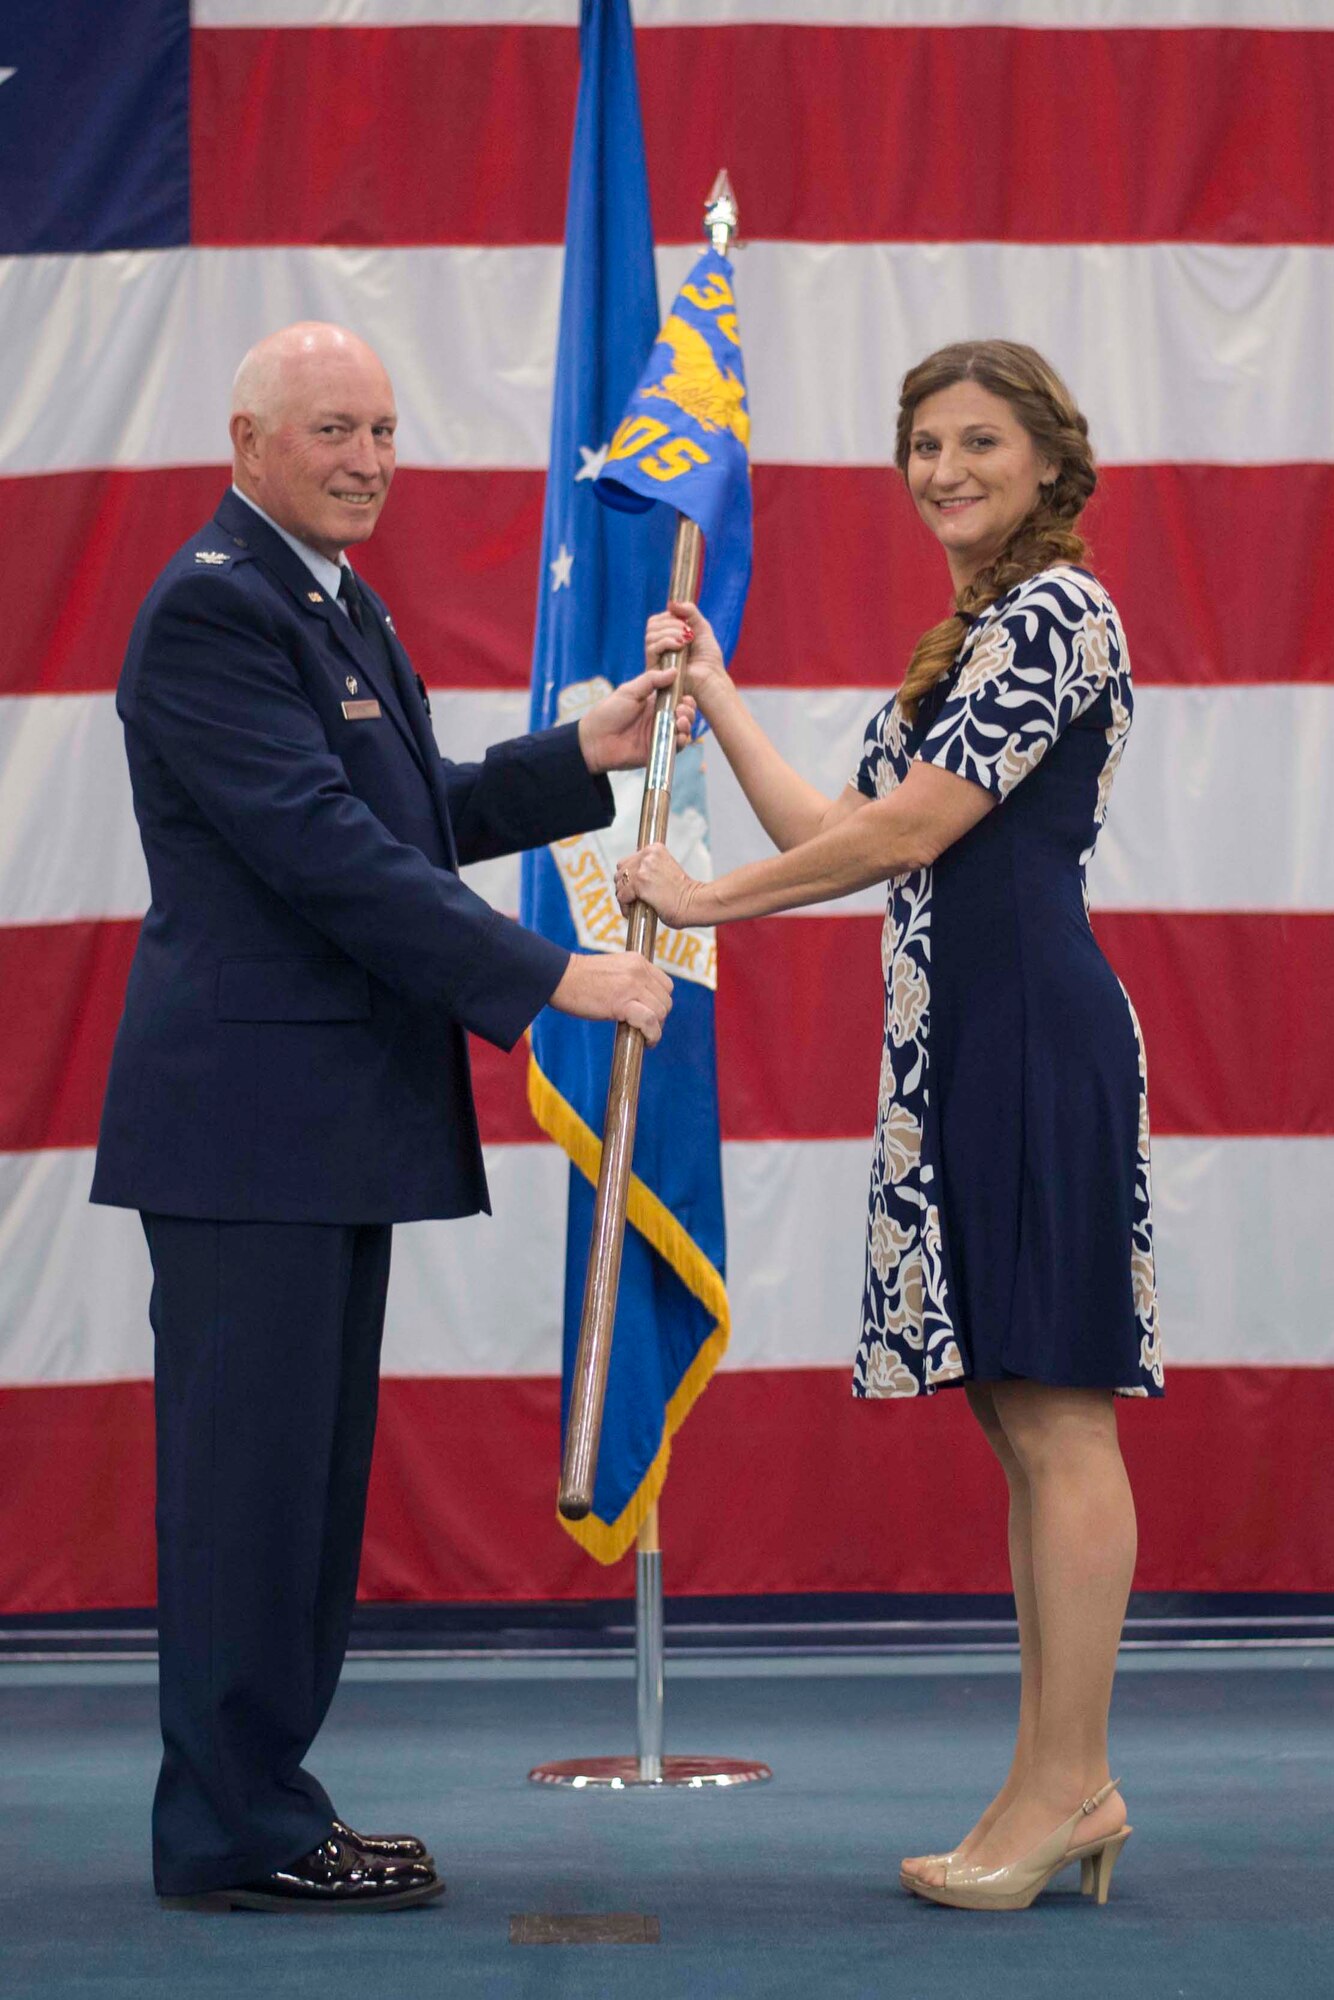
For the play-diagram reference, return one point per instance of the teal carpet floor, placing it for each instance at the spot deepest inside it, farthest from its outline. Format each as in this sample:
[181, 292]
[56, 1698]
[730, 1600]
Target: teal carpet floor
[789, 1888]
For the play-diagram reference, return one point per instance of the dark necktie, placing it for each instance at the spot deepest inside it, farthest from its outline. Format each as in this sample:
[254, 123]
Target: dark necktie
[350, 597]
[366, 622]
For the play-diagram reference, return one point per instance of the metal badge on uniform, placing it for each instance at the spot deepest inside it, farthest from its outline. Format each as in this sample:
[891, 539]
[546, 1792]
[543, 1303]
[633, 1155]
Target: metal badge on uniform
[360, 711]
[211, 556]
[315, 596]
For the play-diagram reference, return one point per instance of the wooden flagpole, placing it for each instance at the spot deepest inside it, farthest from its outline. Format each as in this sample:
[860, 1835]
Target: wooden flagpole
[583, 1431]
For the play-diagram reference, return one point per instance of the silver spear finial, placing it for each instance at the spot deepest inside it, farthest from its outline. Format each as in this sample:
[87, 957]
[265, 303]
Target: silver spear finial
[721, 216]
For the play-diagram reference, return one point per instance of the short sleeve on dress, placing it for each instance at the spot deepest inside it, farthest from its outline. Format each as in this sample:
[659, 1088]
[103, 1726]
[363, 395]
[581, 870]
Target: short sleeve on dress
[883, 764]
[1037, 665]
[863, 777]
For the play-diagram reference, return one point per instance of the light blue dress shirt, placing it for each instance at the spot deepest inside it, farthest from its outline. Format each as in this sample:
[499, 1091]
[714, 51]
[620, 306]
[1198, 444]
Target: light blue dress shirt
[328, 573]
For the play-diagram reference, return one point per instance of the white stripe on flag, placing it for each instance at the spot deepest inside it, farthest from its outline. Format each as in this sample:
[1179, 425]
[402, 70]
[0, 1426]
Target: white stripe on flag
[483, 1297]
[1205, 770]
[1178, 352]
[71, 847]
[825, 13]
[1224, 800]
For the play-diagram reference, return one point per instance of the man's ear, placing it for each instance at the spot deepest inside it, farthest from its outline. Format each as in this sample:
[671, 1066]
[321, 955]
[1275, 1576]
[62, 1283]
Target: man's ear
[245, 435]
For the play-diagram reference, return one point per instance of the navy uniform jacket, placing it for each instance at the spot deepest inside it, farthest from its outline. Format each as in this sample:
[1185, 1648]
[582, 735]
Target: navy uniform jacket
[292, 1047]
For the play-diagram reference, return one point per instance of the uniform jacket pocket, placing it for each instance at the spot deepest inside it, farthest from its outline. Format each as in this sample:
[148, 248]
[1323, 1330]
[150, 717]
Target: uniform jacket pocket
[293, 989]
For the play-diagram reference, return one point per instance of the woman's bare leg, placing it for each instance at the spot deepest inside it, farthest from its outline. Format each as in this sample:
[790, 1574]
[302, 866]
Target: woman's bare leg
[1083, 1542]
[983, 1407]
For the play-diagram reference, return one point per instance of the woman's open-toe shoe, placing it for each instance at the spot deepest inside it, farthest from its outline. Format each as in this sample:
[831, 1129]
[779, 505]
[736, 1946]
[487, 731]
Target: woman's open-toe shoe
[1014, 1887]
[912, 1883]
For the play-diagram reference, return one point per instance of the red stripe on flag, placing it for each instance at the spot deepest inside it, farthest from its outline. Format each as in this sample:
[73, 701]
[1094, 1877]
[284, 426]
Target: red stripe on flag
[381, 135]
[1210, 565]
[478, 1459]
[462, 134]
[462, 561]
[800, 1010]
[799, 1027]
[79, 1495]
[64, 987]
[1234, 1006]
[87, 545]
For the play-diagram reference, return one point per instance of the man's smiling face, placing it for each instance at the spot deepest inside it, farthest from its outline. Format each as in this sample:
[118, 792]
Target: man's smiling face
[317, 453]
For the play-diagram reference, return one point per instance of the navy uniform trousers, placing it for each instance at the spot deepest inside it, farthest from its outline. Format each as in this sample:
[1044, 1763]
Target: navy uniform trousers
[267, 1346]
[290, 1078]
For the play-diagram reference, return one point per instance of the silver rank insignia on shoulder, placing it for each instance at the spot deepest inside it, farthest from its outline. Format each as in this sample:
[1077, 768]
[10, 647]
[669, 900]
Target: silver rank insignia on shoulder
[211, 556]
[351, 683]
[315, 596]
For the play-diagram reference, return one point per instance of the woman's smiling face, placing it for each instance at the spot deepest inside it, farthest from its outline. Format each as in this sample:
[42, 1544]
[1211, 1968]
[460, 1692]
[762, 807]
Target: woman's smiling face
[973, 472]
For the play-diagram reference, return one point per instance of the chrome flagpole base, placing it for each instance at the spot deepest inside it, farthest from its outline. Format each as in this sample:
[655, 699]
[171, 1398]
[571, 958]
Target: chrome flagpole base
[623, 1774]
[649, 1767]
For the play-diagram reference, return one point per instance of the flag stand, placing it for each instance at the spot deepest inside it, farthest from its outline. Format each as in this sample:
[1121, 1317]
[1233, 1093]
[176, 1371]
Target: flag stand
[649, 1766]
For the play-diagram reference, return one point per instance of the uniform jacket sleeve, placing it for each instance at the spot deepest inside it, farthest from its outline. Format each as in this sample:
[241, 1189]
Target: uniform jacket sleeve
[525, 793]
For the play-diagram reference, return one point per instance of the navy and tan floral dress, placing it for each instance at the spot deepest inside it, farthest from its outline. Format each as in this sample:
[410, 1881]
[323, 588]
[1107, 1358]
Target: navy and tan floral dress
[1011, 1230]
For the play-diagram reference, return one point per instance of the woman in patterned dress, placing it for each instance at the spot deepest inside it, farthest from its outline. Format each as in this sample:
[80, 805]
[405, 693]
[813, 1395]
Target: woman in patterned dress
[1009, 1244]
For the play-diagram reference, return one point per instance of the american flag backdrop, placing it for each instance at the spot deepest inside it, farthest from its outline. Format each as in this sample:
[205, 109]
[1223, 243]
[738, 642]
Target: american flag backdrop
[1144, 189]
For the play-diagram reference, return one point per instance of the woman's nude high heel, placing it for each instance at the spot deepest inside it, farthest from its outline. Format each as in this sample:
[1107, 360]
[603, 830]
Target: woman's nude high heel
[1014, 1887]
[1095, 1867]
[913, 1882]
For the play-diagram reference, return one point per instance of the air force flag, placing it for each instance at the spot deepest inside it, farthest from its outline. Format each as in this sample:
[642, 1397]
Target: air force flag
[602, 572]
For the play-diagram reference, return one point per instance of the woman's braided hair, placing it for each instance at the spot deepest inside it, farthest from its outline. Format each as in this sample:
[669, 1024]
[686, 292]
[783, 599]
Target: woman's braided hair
[1046, 536]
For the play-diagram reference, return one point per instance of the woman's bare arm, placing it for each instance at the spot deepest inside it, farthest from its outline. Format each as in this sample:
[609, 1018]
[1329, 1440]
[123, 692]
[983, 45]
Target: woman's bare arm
[911, 828]
[788, 807]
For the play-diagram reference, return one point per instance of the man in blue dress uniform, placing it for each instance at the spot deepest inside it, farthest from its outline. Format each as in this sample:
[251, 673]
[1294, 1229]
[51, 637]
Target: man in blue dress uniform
[290, 1078]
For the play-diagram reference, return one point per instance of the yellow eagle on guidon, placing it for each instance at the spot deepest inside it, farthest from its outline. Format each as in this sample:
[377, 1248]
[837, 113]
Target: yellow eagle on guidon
[712, 395]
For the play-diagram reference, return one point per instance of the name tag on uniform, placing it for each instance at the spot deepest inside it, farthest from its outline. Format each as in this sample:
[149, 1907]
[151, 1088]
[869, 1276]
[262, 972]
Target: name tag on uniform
[360, 711]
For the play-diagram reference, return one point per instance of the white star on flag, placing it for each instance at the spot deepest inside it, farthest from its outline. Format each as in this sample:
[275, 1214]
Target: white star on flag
[5, 75]
[560, 569]
[593, 462]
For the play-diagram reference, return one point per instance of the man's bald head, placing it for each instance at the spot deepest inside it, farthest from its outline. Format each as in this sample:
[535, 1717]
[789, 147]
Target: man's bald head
[287, 365]
[313, 433]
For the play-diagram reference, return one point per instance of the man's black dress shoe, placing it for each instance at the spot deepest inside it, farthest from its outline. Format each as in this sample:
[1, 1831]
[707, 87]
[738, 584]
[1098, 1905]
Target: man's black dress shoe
[333, 1876]
[385, 1846]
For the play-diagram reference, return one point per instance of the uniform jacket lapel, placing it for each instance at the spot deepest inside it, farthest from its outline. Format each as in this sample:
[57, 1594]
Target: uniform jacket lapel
[414, 702]
[248, 530]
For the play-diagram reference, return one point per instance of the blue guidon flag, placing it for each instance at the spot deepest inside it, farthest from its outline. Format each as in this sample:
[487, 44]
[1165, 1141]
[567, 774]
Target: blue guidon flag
[603, 570]
[685, 438]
